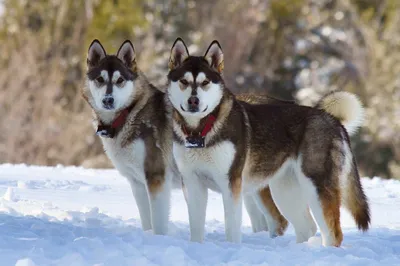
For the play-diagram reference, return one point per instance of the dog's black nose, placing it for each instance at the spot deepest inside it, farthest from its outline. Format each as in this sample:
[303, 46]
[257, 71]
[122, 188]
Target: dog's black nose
[108, 102]
[193, 101]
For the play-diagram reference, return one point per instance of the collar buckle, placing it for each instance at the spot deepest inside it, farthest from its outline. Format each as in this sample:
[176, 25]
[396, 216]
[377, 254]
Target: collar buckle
[110, 131]
[198, 140]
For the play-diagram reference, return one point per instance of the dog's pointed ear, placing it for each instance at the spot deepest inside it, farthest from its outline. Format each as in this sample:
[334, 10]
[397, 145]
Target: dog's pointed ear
[96, 52]
[126, 53]
[215, 56]
[179, 53]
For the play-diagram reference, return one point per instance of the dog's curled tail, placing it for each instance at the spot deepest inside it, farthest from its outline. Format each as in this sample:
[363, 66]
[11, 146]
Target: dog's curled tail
[346, 107]
[355, 199]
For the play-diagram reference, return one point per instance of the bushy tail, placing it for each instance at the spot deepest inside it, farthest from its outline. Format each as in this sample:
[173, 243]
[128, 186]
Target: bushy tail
[346, 107]
[355, 200]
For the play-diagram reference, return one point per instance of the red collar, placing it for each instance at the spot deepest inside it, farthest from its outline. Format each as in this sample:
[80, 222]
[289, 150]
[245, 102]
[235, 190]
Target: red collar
[120, 120]
[110, 130]
[207, 128]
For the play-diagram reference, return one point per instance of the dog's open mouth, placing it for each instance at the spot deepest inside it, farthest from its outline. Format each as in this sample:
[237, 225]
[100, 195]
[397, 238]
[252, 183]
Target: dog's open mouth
[194, 110]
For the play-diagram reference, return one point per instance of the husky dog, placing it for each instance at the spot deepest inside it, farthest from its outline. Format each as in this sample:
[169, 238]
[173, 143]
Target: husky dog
[302, 153]
[134, 123]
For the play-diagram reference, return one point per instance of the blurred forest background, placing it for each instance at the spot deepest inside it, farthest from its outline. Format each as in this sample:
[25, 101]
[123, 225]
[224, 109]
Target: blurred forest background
[291, 49]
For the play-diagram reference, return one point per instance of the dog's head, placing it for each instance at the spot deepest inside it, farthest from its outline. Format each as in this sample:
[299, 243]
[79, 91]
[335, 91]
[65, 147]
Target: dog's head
[111, 79]
[195, 84]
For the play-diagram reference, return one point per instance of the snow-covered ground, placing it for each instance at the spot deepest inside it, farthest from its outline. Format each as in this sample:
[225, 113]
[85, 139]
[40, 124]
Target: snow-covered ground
[75, 216]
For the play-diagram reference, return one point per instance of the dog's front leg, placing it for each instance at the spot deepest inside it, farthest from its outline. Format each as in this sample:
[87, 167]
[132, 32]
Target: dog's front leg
[159, 196]
[142, 200]
[196, 197]
[232, 198]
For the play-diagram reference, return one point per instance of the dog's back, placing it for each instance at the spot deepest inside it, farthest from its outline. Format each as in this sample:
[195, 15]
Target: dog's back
[254, 98]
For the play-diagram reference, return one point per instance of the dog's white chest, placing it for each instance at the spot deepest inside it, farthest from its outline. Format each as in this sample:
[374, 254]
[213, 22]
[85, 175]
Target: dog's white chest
[207, 163]
[129, 161]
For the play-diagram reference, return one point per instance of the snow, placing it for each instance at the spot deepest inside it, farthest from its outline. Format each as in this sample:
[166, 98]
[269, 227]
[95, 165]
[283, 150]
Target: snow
[10, 195]
[76, 216]
[25, 262]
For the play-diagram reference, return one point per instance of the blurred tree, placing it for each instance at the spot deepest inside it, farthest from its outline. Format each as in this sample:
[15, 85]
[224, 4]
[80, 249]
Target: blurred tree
[380, 22]
[112, 22]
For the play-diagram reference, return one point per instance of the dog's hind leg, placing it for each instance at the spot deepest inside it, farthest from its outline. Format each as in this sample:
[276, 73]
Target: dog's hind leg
[257, 219]
[277, 224]
[142, 201]
[323, 196]
[292, 203]
[325, 207]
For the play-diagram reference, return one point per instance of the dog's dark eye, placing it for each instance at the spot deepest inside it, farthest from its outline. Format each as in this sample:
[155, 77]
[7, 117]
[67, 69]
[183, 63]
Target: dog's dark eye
[205, 83]
[100, 80]
[184, 82]
[120, 80]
